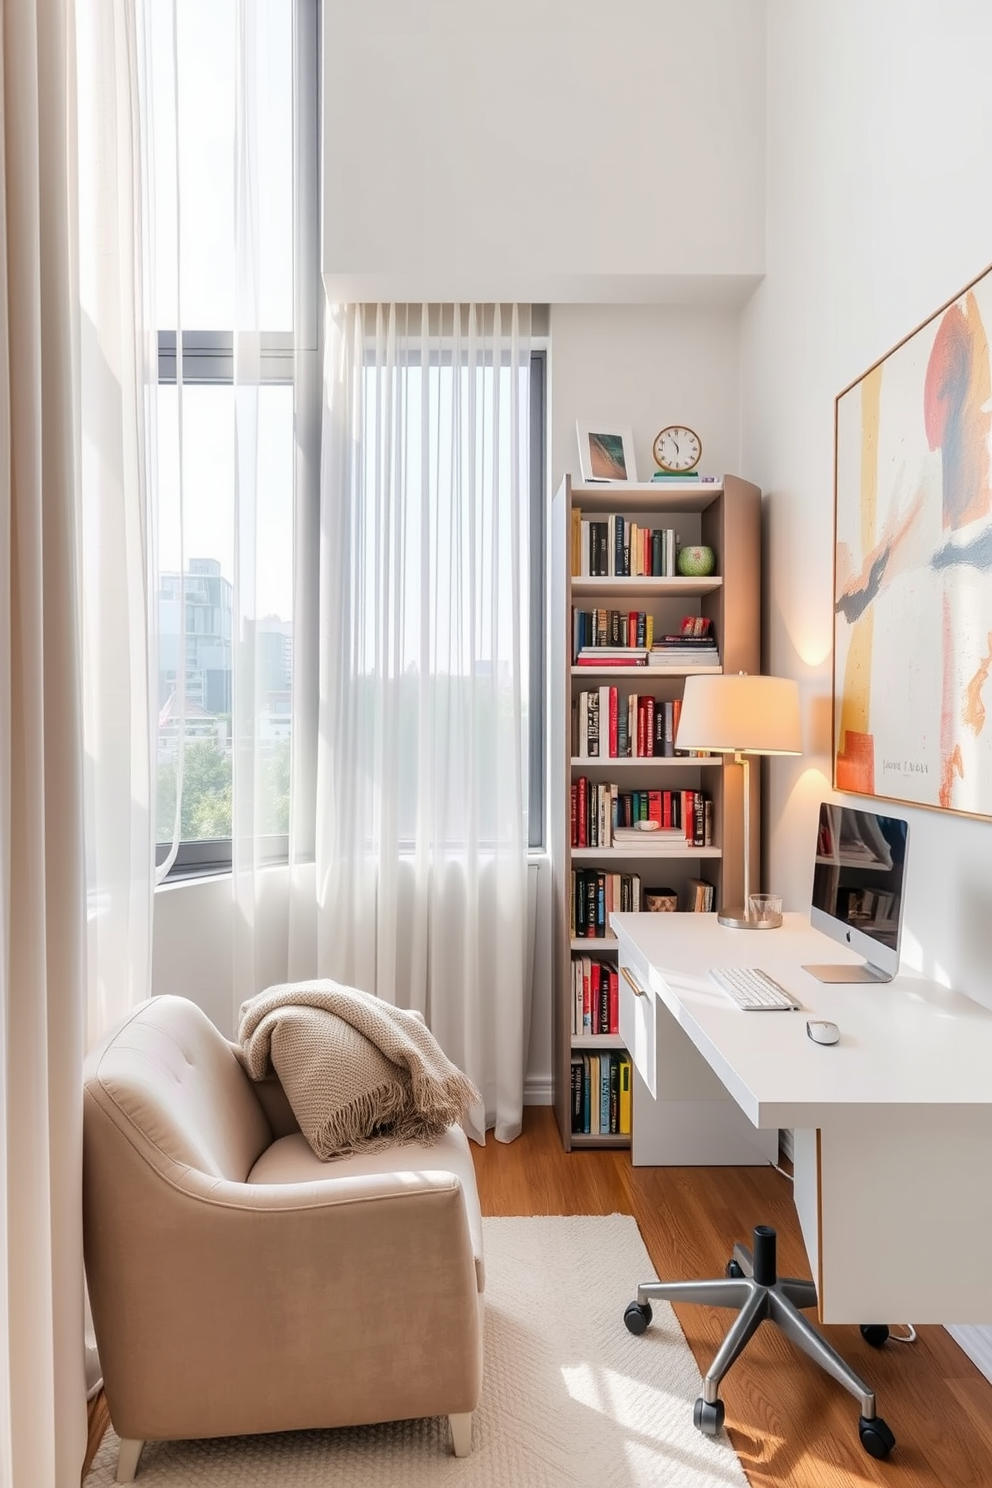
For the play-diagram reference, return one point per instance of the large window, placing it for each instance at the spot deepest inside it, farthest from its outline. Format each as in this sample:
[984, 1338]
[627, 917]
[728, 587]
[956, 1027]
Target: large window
[234, 133]
[235, 126]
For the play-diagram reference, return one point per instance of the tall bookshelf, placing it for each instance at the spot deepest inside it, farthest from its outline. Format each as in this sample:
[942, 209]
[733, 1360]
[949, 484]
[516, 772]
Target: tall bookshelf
[726, 516]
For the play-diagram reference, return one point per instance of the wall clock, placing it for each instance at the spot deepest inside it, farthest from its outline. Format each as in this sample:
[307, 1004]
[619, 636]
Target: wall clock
[677, 449]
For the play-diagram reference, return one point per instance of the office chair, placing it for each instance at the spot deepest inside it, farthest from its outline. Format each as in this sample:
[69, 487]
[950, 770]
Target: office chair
[753, 1285]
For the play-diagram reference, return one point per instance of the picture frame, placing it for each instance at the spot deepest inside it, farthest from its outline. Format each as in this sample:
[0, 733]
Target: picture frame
[912, 666]
[606, 452]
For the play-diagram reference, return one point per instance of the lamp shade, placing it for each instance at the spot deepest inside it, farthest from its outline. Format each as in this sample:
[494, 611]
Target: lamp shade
[740, 713]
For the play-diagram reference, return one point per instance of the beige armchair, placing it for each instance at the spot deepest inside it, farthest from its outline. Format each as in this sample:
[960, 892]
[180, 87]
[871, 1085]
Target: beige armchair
[238, 1284]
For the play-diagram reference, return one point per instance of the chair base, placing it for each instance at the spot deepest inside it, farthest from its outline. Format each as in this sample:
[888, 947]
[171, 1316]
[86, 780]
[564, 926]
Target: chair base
[753, 1287]
[461, 1441]
[127, 1459]
[461, 1433]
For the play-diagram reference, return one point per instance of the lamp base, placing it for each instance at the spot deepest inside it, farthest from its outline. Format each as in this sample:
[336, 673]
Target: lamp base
[737, 918]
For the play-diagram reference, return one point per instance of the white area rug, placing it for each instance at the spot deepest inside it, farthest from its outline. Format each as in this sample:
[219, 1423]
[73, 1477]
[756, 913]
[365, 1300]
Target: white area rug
[570, 1399]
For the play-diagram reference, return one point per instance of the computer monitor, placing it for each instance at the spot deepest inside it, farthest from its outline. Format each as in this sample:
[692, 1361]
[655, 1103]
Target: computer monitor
[858, 890]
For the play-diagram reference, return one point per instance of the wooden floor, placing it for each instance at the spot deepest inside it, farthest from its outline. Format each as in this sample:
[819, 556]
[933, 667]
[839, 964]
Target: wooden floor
[788, 1421]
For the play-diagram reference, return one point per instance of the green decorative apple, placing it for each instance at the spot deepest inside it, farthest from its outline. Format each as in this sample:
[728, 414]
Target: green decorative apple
[696, 562]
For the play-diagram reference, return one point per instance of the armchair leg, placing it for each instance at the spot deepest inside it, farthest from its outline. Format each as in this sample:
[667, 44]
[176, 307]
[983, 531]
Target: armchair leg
[127, 1459]
[461, 1433]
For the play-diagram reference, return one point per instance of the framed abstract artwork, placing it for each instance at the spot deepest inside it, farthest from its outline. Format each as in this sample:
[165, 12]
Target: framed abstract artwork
[913, 567]
[606, 452]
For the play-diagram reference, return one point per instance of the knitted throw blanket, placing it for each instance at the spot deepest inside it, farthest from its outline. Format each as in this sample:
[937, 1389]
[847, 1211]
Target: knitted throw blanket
[358, 1073]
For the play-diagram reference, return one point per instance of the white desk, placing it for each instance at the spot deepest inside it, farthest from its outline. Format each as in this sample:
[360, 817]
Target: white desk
[893, 1125]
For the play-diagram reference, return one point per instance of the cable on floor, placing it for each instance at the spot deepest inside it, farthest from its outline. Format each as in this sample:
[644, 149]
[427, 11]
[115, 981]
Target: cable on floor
[908, 1337]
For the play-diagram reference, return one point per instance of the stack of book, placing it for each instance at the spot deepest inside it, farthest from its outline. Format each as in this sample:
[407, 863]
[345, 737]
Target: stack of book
[648, 841]
[611, 656]
[594, 895]
[601, 1093]
[617, 630]
[616, 547]
[595, 997]
[701, 895]
[682, 651]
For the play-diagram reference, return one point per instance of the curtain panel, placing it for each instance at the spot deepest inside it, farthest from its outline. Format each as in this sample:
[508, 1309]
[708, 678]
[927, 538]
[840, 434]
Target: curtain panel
[422, 766]
[75, 707]
[42, 970]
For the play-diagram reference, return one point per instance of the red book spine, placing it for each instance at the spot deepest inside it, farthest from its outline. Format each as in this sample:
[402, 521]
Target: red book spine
[610, 661]
[689, 814]
[575, 814]
[649, 727]
[613, 723]
[640, 727]
[582, 839]
[614, 1001]
[654, 807]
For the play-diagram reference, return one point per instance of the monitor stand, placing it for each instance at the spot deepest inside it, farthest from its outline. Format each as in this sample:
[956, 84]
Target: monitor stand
[836, 972]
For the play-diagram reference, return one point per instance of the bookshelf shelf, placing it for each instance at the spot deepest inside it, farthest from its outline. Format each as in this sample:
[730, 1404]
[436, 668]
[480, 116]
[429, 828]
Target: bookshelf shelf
[608, 763]
[653, 496]
[654, 673]
[585, 1139]
[678, 588]
[725, 516]
[642, 854]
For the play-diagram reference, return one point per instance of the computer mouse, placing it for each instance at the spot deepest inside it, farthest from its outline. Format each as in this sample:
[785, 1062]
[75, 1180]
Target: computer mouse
[822, 1033]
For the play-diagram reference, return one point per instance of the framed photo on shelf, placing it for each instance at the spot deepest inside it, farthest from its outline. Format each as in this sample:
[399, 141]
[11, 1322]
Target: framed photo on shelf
[606, 452]
[912, 696]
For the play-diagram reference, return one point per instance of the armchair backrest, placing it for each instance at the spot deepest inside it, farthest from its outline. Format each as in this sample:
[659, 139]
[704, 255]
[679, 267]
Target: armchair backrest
[173, 1088]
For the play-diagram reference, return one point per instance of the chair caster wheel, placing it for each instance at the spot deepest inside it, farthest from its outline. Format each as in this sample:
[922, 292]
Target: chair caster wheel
[637, 1317]
[876, 1438]
[733, 1270]
[875, 1333]
[707, 1416]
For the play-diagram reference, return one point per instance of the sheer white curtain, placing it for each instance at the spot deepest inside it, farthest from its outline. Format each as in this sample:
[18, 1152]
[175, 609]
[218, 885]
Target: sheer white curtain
[42, 972]
[118, 370]
[75, 845]
[118, 375]
[422, 755]
[222, 101]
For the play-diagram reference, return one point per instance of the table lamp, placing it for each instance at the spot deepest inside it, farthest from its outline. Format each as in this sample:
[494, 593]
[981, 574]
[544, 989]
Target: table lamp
[740, 714]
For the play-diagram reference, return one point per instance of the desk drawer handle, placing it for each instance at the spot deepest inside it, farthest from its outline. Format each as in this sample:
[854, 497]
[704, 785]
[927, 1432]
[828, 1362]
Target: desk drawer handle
[637, 990]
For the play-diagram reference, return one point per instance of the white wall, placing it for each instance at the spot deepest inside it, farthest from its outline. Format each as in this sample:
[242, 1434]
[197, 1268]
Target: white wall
[644, 366]
[879, 210]
[543, 150]
[193, 944]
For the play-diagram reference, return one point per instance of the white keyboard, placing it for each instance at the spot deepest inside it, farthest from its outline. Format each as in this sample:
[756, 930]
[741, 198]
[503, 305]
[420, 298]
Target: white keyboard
[753, 990]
